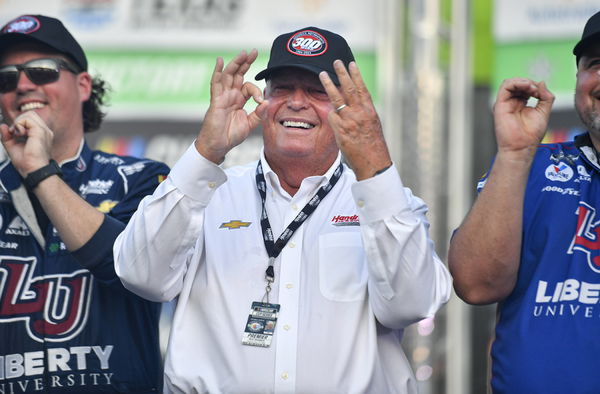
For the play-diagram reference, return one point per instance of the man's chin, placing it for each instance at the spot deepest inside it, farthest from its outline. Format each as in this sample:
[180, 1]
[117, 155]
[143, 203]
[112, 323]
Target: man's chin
[591, 120]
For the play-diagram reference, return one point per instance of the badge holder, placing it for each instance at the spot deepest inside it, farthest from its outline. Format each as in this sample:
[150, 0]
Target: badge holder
[263, 316]
[260, 325]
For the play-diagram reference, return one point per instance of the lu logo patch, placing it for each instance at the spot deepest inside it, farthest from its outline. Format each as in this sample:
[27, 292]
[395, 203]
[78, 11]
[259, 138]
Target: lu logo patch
[587, 236]
[53, 308]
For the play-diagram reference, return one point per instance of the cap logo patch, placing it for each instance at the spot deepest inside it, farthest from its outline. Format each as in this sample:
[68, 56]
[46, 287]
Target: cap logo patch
[307, 43]
[24, 24]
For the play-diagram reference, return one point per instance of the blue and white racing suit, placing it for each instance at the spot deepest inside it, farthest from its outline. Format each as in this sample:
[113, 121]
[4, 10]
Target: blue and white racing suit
[67, 325]
[547, 338]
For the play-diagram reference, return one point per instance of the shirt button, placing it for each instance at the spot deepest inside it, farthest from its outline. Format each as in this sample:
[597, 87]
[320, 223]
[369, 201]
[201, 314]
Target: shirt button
[294, 207]
[212, 185]
[289, 285]
[287, 327]
[284, 376]
[361, 203]
[292, 245]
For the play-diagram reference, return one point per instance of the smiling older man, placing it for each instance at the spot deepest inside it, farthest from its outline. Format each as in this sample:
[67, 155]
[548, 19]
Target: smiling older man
[295, 298]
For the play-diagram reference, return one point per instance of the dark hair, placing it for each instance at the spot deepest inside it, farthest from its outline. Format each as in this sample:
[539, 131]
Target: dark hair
[92, 108]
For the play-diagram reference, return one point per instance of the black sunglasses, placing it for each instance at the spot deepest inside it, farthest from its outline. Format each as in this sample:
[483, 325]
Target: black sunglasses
[39, 71]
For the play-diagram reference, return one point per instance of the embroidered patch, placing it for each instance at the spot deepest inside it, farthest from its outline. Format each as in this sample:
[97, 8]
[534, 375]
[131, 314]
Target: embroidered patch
[307, 43]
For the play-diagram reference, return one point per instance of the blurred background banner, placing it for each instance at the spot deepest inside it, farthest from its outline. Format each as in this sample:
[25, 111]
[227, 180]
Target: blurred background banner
[432, 66]
[534, 38]
[518, 20]
[158, 54]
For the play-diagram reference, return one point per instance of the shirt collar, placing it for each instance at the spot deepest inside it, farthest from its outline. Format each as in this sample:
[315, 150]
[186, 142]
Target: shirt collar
[584, 143]
[80, 160]
[309, 184]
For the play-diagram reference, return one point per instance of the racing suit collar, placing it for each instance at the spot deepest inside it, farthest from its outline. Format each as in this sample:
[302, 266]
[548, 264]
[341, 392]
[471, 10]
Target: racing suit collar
[584, 144]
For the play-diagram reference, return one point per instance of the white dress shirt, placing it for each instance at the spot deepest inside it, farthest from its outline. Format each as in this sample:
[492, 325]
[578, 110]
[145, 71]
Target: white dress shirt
[346, 291]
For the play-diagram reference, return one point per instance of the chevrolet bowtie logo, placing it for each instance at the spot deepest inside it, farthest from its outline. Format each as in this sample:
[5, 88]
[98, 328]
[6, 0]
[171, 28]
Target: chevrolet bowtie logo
[232, 224]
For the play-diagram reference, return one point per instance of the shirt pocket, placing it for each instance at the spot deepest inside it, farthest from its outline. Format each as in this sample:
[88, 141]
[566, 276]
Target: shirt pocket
[342, 266]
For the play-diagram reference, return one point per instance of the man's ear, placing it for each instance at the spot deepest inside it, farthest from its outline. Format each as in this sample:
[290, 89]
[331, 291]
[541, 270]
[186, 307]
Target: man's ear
[84, 84]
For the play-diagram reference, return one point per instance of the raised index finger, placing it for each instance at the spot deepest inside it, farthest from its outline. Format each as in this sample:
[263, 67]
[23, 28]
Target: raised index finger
[232, 68]
[238, 80]
[332, 91]
[519, 88]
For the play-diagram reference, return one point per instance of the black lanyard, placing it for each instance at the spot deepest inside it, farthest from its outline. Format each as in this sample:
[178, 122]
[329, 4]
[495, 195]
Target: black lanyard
[273, 247]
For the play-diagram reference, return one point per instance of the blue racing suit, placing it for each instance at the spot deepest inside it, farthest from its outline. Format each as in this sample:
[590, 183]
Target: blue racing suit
[67, 325]
[546, 336]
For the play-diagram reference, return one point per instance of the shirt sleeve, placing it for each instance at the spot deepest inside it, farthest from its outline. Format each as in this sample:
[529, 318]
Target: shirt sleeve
[97, 254]
[153, 253]
[407, 280]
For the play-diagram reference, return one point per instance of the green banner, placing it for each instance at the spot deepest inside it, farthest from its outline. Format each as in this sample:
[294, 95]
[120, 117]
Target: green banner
[157, 82]
[552, 62]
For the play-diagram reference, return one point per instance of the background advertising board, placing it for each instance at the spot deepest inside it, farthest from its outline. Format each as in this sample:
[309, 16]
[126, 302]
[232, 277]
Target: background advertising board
[535, 39]
[158, 55]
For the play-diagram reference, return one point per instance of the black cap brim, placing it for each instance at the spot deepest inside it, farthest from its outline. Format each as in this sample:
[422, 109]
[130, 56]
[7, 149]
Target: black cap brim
[44, 30]
[264, 74]
[583, 44]
[9, 39]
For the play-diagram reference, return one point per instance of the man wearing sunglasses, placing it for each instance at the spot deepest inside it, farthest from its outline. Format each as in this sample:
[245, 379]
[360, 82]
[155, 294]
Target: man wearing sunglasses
[67, 325]
[297, 272]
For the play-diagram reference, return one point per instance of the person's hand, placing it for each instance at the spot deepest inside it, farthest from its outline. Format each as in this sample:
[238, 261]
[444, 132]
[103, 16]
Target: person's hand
[355, 122]
[28, 142]
[520, 128]
[226, 123]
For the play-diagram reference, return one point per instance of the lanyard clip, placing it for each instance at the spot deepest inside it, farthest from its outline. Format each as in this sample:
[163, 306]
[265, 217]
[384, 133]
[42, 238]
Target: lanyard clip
[270, 278]
[270, 272]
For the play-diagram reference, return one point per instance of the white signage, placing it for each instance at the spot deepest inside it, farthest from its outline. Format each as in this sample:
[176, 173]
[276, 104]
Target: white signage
[522, 20]
[223, 24]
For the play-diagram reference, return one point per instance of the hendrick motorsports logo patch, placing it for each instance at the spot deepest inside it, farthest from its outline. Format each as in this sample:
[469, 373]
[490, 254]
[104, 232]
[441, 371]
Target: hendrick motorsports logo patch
[340, 220]
[233, 224]
[307, 43]
[559, 172]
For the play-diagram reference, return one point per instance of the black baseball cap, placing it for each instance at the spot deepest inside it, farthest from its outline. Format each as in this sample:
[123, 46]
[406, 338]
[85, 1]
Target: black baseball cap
[46, 30]
[591, 34]
[311, 49]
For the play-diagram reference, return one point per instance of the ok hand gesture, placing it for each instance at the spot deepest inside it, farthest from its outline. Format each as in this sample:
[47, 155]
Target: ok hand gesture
[226, 123]
[355, 122]
[520, 128]
[28, 142]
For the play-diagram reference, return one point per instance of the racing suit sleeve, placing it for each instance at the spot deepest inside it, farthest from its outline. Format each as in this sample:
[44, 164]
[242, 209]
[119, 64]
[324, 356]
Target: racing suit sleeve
[96, 255]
